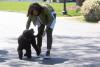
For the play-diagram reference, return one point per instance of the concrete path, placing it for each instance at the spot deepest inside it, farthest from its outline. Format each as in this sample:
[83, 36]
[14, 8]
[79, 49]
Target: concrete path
[75, 43]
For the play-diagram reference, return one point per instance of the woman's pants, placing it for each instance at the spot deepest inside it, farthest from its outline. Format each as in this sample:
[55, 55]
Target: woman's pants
[40, 35]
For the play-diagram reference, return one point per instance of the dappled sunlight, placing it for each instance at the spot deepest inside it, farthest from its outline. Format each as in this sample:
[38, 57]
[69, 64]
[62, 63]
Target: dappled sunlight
[75, 44]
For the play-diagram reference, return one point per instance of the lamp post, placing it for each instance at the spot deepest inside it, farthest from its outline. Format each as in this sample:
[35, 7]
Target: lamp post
[44, 0]
[64, 9]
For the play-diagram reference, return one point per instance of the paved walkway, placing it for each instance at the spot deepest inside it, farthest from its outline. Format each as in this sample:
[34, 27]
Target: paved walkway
[76, 44]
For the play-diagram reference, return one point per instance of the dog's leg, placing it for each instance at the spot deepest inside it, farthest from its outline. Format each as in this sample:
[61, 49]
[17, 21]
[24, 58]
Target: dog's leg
[20, 53]
[28, 53]
[38, 51]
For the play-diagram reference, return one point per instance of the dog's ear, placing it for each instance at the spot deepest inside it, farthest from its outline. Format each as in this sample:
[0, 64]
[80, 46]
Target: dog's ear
[31, 30]
[25, 31]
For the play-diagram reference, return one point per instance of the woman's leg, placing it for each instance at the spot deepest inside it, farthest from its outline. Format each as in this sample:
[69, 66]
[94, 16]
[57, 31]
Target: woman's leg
[39, 36]
[49, 41]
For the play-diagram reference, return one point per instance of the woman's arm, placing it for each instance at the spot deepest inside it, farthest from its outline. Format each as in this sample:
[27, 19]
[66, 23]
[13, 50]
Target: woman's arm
[49, 12]
[49, 17]
[28, 23]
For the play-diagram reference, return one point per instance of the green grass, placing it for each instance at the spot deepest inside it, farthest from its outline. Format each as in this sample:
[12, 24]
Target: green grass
[14, 6]
[23, 7]
[58, 8]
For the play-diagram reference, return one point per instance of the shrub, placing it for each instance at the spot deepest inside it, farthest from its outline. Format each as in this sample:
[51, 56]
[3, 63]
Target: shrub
[91, 10]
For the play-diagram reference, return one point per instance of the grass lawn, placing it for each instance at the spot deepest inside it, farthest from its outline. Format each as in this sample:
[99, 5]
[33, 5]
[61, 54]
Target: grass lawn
[23, 7]
[14, 6]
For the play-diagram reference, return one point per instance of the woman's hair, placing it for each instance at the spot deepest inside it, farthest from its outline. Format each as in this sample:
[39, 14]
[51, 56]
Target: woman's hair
[34, 6]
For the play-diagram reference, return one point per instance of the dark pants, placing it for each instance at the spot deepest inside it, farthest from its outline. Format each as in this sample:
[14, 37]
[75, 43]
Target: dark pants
[49, 37]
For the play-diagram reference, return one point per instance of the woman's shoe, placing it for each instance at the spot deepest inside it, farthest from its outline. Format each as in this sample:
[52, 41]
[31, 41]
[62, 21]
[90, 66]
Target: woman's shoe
[38, 52]
[48, 53]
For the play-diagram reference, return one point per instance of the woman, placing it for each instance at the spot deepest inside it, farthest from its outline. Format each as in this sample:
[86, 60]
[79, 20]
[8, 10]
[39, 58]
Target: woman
[42, 16]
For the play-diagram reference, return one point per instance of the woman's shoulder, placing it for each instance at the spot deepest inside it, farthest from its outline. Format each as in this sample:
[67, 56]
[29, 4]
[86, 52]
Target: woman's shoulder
[48, 7]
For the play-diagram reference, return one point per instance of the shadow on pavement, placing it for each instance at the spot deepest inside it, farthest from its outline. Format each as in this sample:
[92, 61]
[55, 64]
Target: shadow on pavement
[76, 50]
[3, 56]
[53, 61]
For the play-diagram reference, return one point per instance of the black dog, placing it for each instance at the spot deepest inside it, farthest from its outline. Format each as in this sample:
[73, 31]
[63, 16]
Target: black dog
[25, 41]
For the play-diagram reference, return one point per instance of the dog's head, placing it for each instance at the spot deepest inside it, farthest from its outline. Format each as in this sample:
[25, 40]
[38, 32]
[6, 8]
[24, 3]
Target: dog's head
[28, 33]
